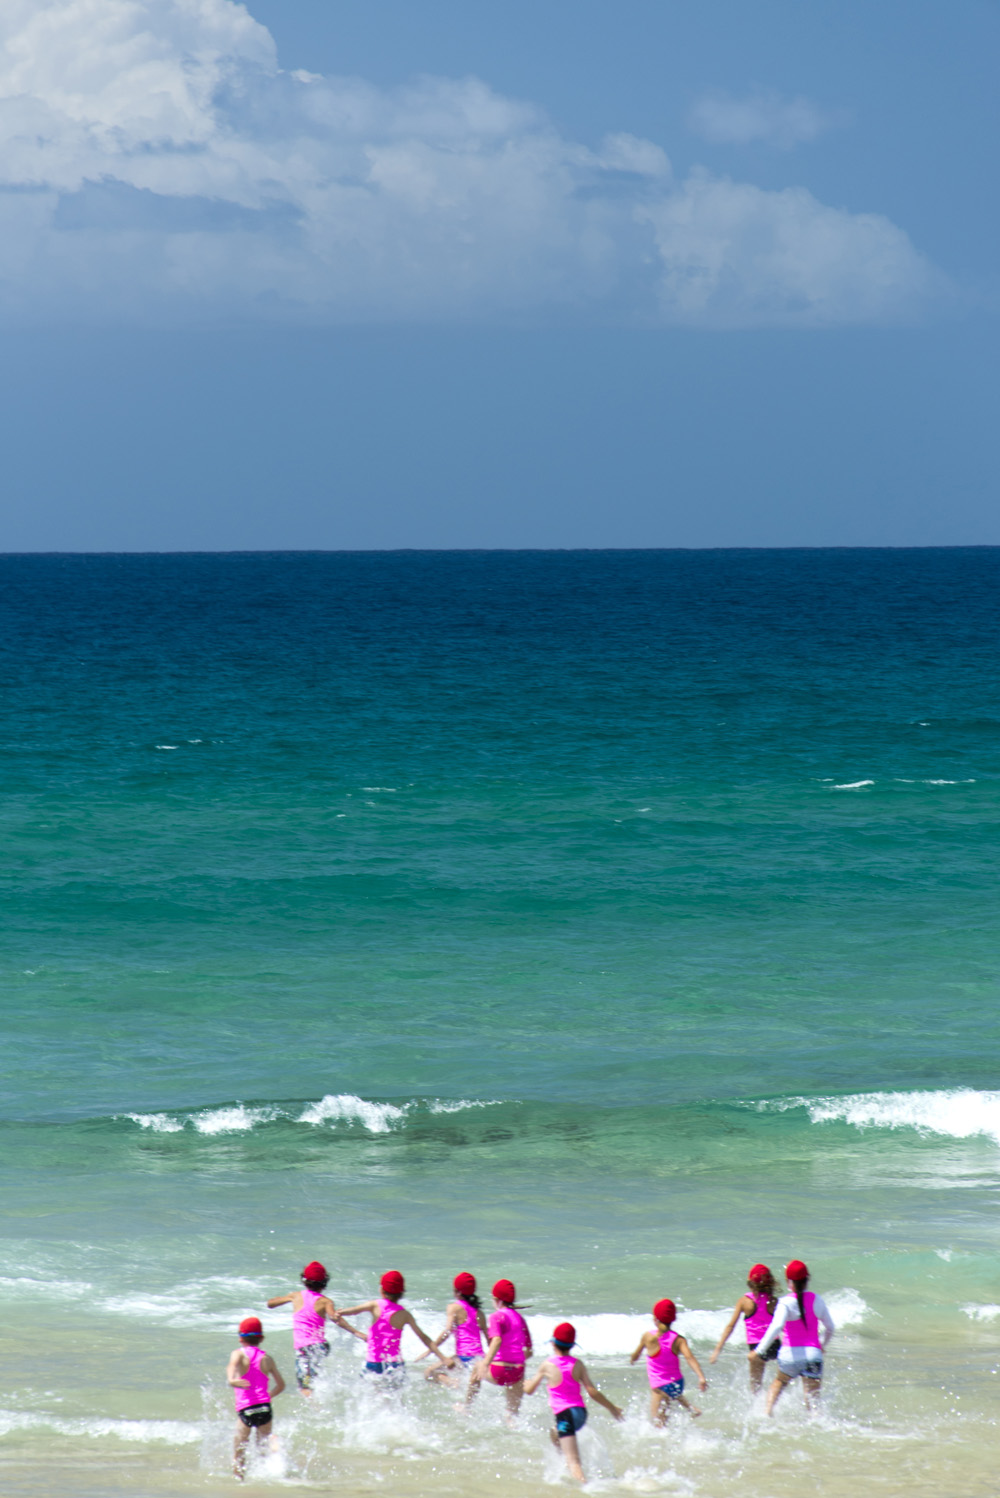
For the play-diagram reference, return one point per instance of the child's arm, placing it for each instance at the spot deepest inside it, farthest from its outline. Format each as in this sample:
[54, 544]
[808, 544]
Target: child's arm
[345, 1326]
[280, 1300]
[739, 1311]
[640, 1349]
[449, 1327]
[544, 1371]
[478, 1373]
[425, 1339]
[580, 1373]
[234, 1369]
[366, 1305]
[270, 1367]
[681, 1346]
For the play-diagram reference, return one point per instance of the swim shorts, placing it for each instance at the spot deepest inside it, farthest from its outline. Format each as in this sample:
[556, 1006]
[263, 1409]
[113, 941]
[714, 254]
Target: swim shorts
[768, 1356]
[673, 1390]
[393, 1372]
[568, 1422]
[800, 1363]
[254, 1415]
[506, 1373]
[309, 1362]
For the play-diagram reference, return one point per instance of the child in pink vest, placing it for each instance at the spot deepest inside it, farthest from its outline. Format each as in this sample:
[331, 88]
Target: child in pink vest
[567, 1378]
[465, 1321]
[509, 1349]
[312, 1309]
[756, 1307]
[248, 1373]
[805, 1327]
[664, 1349]
[385, 1334]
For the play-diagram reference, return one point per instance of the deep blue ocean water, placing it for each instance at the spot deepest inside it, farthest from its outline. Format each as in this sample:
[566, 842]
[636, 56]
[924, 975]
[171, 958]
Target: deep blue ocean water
[683, 862]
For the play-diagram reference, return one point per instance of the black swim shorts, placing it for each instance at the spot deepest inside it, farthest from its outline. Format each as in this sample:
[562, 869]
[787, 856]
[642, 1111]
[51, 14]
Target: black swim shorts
[568, 1422]
[254, 1415]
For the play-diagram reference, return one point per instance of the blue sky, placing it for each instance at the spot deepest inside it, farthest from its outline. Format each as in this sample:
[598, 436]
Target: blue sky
[323, 273]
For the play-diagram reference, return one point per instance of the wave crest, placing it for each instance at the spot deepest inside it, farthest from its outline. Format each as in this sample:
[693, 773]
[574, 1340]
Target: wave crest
[331, 1110]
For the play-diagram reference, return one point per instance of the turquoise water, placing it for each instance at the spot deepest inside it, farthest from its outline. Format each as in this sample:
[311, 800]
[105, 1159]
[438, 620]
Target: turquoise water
[609, 920]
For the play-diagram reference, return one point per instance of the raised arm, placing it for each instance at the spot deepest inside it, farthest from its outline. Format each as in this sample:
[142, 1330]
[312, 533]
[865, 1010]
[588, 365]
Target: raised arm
[371, 1306]
[682, 1346]
[280, 1300]
[730, 1326]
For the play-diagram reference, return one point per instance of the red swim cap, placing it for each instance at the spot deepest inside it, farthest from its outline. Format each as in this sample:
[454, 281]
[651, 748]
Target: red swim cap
[465, 1284]
[315, 1271]
[250, 1327]
[796, 1271]
[664, 1311]
[504, 1292]
[759, 1274]
[393, 1282]
[565, 1333]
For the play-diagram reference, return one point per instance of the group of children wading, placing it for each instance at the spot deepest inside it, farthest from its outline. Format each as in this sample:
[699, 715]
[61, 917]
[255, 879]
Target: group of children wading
[792, 1330]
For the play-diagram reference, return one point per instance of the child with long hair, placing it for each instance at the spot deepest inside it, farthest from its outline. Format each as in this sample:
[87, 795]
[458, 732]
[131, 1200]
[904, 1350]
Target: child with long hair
[800, 1320]
[664, 1349]
[465, 1321]
[756, 1307]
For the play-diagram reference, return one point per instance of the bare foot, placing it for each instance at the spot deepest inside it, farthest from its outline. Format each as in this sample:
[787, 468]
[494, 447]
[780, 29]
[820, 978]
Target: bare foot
[694, 1413]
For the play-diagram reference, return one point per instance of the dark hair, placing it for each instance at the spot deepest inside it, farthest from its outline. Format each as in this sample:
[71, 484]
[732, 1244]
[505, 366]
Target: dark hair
[316, 1284]
[799, 1286]
[471, 1299]
[763, 1284]
[252, 1337]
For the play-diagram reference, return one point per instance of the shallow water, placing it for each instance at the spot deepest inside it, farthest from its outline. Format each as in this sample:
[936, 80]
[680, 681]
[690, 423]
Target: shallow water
[608, 921]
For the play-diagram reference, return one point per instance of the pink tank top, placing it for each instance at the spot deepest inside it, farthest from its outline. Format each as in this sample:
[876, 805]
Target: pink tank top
[515, 1339]
[801, 1332]
[308, 1326]
[384, 1338]
[759, 1320]
[665, 1366]
[468, 1340]
[256, 1393]
[566, 1394]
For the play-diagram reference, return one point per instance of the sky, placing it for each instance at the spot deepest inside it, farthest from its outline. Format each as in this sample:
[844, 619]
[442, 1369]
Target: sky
[445, 273]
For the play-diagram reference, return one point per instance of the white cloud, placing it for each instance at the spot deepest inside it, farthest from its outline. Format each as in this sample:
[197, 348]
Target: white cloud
[725, 120]
[156, 162]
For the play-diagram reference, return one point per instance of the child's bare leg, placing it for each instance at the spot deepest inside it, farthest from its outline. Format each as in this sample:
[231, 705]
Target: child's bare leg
[756, 1375]
[659, 1407]
[513, 1394]
[810, 1390]
[240, 1440]
[692, 1411]
[571, 1452]
[473, 1389]
[774, 1393]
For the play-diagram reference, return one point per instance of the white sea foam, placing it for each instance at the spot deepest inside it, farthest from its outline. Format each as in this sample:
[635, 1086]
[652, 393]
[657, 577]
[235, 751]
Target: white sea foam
[853, 785]
[957, 1113]
[982, 1313]
[160, 1123]
[175, 1432]
[377, 1118]
[233, 1120]
[459, 1105]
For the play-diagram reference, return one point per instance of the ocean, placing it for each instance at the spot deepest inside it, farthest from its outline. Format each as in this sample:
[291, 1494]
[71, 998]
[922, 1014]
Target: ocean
[604, 920]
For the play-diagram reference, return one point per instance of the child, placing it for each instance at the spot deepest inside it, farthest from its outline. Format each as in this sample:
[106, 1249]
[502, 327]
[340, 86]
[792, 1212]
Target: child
[664, 1349]
[311, 1309]
[756, 1308]
[388, 1320]
[797, 1321]
[466, 1320]
[567, 1378]
[510, 1346]
[248, 1373]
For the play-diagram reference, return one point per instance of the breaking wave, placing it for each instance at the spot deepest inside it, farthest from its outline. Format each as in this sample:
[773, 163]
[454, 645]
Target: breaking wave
[957, 1113]
[340, 1108]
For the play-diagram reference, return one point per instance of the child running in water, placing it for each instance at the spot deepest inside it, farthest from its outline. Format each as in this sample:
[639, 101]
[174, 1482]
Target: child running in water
[664, 1348]
[797, 1321]
[510, 1346]
[311, 1310]
[756, 1307]
[248, 1374]
[567, 1378]
[465, 1319]
[388, 1320]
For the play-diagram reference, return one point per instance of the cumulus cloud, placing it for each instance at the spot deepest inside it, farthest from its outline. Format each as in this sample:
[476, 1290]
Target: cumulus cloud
[724, 119]
[156, 162]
